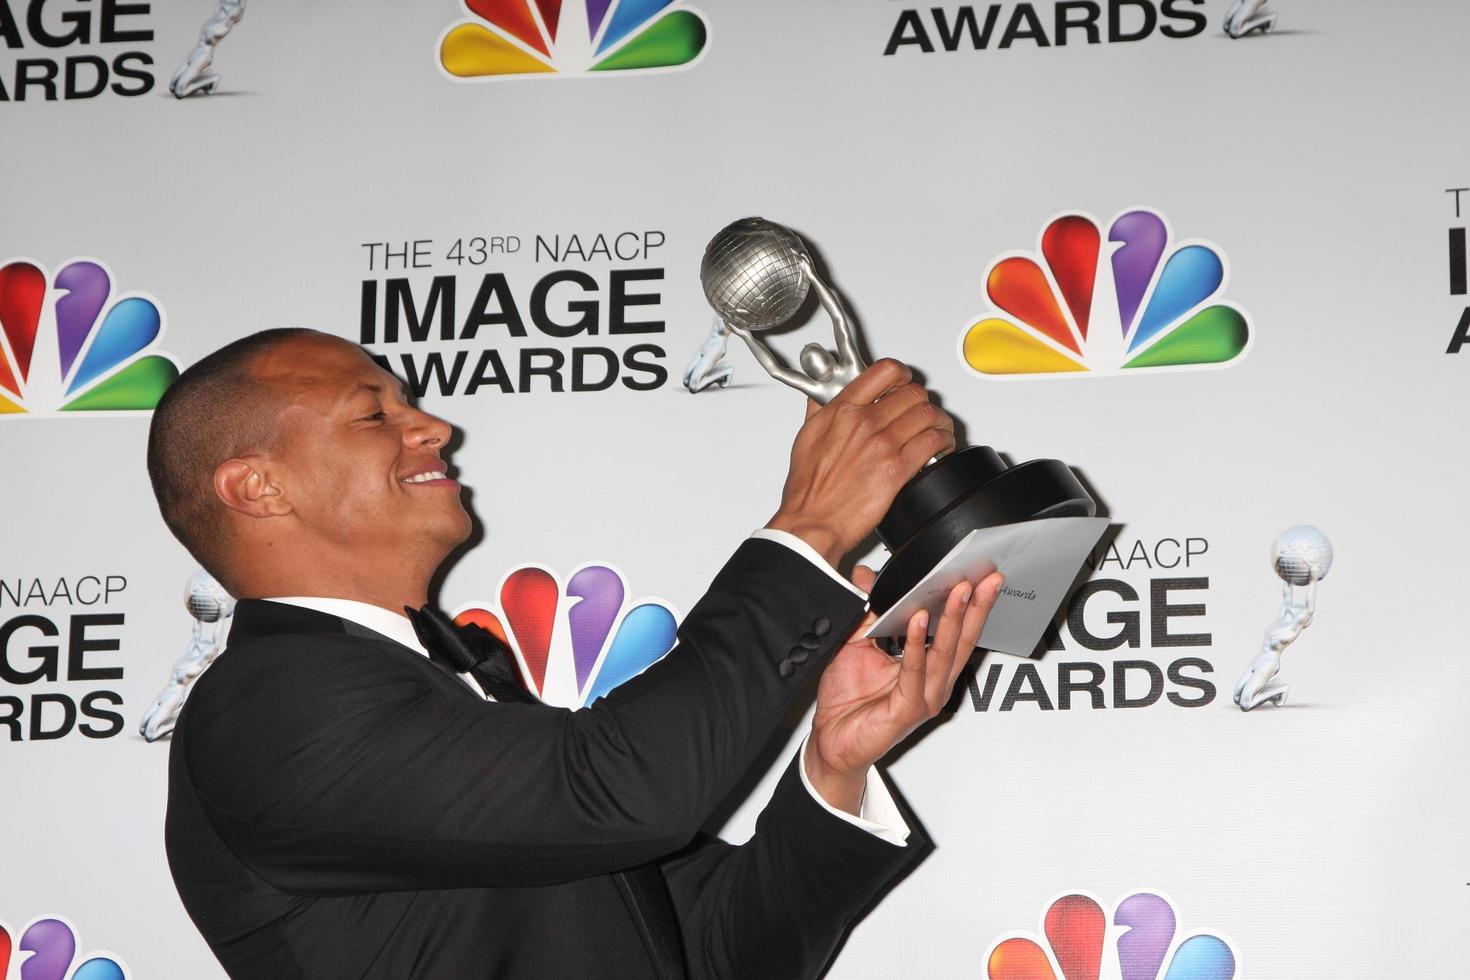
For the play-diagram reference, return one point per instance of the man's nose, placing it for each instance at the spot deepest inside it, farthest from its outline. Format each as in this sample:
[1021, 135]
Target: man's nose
[427, 430]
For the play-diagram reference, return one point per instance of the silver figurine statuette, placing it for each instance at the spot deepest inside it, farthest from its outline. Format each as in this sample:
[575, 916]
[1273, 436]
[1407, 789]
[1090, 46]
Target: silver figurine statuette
[211, 606]
[194, 74]
[1246, 16]
[756, 274]
[1301, 556]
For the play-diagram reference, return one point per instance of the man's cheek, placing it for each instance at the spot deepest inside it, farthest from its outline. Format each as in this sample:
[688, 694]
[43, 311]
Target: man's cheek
[355, 505]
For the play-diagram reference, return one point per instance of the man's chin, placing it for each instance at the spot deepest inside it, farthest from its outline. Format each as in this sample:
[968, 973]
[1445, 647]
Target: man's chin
[447, 526]
[464, 531]
[458, 529]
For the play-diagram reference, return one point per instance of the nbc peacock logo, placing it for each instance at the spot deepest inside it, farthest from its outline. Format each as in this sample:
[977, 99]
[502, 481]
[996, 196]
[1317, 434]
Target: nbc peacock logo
[519, 38]
[1141, 940]
[68, 344]
[575, 643]
[1106, 303]
[47, 950]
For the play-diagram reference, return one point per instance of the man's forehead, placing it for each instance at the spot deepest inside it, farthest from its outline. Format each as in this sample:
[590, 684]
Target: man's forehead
[324, 365]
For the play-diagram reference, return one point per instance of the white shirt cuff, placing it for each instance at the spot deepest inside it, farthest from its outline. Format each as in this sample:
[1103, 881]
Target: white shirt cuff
[809, 553]
[879, 815]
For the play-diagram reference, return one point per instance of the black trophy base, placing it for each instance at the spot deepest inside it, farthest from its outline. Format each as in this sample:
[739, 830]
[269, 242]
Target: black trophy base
[966, 490]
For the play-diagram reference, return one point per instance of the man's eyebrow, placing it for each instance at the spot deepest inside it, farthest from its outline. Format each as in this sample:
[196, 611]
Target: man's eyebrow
[377, 389]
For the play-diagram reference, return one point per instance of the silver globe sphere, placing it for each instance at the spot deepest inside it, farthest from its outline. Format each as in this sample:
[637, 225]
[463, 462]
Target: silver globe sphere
[752, 273]
[1301, 555]
[206, 599]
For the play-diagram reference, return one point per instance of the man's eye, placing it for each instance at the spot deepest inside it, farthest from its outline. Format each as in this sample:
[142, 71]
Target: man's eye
[375, 417]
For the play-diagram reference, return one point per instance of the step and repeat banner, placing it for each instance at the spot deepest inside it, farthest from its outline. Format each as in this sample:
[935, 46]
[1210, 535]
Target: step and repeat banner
[1211, 253]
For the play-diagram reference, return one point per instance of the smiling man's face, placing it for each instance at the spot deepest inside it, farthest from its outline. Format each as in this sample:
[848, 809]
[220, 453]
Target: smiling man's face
[360, 467]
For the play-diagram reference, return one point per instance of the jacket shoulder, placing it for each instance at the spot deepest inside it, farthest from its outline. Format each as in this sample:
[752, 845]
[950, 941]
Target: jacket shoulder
[258, 665]
[265, 694]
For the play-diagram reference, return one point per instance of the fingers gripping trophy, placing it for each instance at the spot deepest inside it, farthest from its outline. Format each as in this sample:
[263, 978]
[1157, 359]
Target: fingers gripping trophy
[211, 606]
[1302, 557]
[756, 275]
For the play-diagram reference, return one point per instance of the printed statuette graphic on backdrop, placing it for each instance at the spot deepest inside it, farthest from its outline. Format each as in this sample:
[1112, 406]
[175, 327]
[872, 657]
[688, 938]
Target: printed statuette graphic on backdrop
[575, 644]
[756, 274]
[211, 608]
[1100, 303]
[194, 77]
[708, 366]
[46, 950]
[1147, 944]
[1246, 16]
[1302, 556]
[516, 38]
[66, 345]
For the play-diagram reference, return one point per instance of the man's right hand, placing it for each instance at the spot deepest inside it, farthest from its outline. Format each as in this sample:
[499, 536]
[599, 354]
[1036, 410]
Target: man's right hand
[855, 453]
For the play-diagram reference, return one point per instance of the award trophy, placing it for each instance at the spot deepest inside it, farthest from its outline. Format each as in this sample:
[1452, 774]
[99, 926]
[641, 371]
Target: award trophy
[756, 274]
[211, 606]
[1302, 557]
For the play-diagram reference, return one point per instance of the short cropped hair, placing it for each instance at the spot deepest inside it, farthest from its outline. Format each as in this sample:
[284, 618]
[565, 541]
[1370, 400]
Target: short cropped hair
[216, 410]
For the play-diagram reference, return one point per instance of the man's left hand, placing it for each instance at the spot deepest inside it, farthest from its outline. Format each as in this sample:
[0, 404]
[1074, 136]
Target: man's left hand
[867, 701]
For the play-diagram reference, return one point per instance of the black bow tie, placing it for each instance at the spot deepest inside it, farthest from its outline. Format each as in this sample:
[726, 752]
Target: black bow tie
[469, 649]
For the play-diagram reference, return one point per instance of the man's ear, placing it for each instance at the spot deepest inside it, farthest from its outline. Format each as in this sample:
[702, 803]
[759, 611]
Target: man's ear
[246, 488]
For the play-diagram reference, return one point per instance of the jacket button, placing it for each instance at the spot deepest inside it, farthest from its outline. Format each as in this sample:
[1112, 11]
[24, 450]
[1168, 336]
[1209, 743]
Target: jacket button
[810, 641]
[798, 656]
[786, 668]
[822, 626]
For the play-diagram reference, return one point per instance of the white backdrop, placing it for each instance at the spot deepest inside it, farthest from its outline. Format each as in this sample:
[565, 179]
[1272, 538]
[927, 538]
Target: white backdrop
[1322, 839]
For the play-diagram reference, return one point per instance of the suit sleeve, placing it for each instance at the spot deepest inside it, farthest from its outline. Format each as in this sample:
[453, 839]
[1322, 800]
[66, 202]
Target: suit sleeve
[331, 765]
[777, 905]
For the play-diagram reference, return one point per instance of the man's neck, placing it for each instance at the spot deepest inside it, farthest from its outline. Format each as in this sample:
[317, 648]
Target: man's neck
[388, 585]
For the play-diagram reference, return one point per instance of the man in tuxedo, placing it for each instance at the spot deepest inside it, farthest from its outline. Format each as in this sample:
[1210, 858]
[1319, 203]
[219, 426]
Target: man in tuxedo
[344, 803]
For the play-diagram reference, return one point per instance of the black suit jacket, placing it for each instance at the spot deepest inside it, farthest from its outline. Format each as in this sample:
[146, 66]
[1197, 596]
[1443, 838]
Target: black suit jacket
[340, 806]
